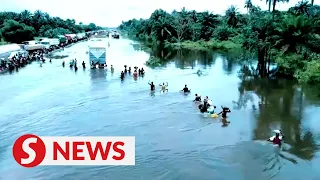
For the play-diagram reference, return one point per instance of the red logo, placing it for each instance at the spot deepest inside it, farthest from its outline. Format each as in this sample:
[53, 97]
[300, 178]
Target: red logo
[29, 150]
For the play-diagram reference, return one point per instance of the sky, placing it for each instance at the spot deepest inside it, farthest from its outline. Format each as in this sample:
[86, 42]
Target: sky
[111, 13]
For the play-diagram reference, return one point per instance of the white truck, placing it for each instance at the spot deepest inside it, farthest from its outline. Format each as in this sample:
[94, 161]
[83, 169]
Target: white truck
[32, 45]
[97, 54]
[50, 42]
[81, 35]
[9, 50]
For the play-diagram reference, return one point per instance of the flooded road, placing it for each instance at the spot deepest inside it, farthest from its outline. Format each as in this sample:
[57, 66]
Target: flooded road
[173, 139]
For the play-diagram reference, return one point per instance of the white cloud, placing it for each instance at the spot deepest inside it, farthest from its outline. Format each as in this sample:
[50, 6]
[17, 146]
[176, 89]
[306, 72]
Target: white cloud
[111, 13]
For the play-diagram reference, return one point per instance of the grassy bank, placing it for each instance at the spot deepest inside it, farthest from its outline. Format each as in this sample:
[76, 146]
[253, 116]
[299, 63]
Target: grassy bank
[2, 42]
[153, 62]
[206, 45]
[201, 45]
[304, 70]
[270, 36]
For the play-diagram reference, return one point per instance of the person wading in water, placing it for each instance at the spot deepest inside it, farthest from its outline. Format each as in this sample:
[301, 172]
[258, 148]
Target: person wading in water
[224, 112]
[152, 86]
[164, 87]
[122, 75]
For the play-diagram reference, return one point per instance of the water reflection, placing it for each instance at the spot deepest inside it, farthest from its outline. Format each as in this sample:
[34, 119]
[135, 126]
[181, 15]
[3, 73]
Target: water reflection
[187, 58]
[139, 47]
[228, 63]
[152, 93]
[254, 160]
[281, 105]
[184, 59]
[97, 74]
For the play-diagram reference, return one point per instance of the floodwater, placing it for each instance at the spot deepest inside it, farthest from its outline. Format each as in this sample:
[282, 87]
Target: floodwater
[173, 140]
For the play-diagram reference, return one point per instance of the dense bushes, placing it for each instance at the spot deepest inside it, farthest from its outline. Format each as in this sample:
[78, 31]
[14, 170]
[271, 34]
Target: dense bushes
[289, 38]
[18, 27]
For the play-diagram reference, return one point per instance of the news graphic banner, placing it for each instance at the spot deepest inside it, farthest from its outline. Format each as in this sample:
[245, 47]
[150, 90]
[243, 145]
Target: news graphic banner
[30, 150]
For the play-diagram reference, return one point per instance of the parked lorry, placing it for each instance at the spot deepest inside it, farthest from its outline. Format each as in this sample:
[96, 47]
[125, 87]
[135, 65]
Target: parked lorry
[70, 36]
[62, 39]
[33, 45]
[81, 35]
[7, 50]
[97, 54]
[50, 42]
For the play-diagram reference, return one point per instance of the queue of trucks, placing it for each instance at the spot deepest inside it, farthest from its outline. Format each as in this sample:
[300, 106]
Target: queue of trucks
[43, 44]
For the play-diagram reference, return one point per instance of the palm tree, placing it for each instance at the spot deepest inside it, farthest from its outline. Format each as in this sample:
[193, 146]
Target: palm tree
[38, 14]
[302, 7]
[294, 33]
[269, 2]
[193, 18]
[26, 17]
[248, 5]
[161, 29]
[231, 15]
[274, 3]
[37, 20]
[208, 21]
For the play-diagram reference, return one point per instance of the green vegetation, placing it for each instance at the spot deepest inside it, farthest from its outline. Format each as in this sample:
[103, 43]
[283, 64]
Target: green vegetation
[205, 45]
[18, 27]
[289, 38]
[154, 61]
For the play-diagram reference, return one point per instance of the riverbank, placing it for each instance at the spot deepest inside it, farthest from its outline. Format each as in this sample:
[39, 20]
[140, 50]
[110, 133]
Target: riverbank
[267, 37]
[206, 45]
[290, 66]
[213, 44]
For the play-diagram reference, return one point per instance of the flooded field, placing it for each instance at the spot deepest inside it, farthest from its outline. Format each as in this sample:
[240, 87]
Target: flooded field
[173, 139]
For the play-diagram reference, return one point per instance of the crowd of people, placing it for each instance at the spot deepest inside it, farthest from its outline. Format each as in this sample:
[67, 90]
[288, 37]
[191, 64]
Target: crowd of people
[136, 72]
[206, 106]
[21, 59]
[94, 65]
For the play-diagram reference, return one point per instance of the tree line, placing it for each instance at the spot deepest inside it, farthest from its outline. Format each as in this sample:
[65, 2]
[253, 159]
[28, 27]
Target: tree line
[289, 38]
[23, 26]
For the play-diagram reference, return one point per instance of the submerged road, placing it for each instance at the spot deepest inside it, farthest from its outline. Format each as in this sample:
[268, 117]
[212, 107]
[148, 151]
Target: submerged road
[173, 140]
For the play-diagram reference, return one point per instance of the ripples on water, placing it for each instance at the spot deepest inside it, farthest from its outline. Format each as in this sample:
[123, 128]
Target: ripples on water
[173, 140]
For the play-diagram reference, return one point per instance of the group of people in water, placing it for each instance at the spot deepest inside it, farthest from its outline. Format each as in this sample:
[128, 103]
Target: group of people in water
[73, 64]
[137, 71]
[164, 87]
[206, 106]
[20, 60]
[94, 65]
